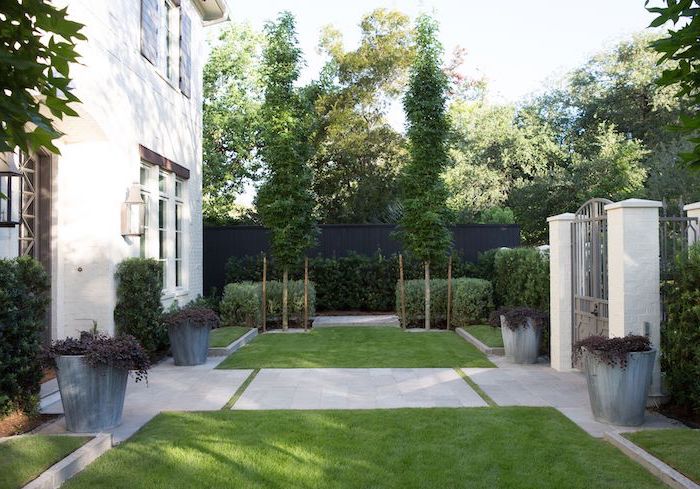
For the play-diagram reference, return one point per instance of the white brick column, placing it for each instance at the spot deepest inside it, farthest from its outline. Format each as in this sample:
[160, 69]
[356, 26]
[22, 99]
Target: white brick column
[634, 273]
[560, 311]
[693, 210]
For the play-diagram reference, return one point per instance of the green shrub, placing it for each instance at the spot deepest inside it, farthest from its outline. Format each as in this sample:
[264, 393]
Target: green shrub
[23, 300]
[680, 334]
[240, 304]
[472, 300]
[349, 283]
[521, 278]
[138, 311]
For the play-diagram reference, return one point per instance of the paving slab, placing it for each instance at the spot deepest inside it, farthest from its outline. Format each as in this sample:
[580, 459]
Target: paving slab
[540, 385]
[169, 388]
[367, 320]
[357, 388]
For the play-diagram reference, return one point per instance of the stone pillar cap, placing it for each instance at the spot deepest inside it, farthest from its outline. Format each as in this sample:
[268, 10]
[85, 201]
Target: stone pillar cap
[692, 207]
[567, 216]
[634, 203]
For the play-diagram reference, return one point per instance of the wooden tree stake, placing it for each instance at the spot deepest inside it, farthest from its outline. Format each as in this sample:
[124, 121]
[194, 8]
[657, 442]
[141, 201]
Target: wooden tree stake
[402, 293]
[264, 294]
[449, 291]
[306, 293]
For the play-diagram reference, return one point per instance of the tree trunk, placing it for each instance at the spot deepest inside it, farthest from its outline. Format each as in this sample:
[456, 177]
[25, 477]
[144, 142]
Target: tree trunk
[264, 295]
[427, 294]
[285, 318]
[306, 293]
[403, 293]
[449, 292]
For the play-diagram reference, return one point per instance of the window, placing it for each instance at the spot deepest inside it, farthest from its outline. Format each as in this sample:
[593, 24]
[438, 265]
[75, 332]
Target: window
[170, 40]
[144, 179]
[163, 226]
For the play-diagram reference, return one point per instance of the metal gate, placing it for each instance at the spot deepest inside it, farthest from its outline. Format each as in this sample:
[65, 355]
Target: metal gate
[589, 271]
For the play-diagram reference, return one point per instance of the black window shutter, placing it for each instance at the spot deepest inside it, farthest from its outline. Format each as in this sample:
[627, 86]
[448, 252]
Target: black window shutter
[185, 53]
[149, 30]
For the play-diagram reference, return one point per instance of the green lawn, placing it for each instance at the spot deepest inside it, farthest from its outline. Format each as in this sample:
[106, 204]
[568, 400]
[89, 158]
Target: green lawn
[678, 448]
[222, 337]
[488, 335]
[357, 347]
[24, 459]
[515, 447]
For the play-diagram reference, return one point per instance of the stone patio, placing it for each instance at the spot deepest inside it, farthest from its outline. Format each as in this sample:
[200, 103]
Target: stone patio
[357, 388]
[363, 320]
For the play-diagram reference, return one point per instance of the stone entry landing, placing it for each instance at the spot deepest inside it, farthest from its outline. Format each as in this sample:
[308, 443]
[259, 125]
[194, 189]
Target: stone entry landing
[365, 320]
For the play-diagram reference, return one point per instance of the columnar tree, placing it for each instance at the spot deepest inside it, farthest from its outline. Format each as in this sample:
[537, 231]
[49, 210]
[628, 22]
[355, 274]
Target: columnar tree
[285, 201]
[423, 225]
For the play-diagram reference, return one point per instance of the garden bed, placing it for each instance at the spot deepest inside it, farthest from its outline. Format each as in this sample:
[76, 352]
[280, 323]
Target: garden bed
[678, 448]
[476, 447]
[357, 347]
[223, 337]
[488, 335]
[24, 458]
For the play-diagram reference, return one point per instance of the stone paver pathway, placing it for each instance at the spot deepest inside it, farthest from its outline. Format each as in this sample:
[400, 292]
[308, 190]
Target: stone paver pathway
[169, 388]
[357, 388]
[540, 385]
[368, 320]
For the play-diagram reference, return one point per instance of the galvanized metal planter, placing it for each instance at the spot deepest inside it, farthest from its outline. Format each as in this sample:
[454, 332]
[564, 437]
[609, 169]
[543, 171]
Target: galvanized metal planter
[189, 343]
[92, 397]
[619, 395]
[522, 345]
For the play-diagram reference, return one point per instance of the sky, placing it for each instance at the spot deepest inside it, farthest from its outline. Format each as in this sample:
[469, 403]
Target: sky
[517, 46]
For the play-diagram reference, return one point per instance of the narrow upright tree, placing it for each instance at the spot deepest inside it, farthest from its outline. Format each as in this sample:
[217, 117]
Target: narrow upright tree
[285, 201]
[423, 225]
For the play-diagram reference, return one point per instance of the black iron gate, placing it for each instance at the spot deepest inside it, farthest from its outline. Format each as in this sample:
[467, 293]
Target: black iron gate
[589, 270]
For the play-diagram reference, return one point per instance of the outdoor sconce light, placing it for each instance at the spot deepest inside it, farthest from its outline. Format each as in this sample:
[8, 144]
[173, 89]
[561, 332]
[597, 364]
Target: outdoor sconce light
[10, 191]
[133, 213]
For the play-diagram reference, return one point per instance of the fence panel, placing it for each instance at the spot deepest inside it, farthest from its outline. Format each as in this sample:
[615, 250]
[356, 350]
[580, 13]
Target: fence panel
[221, 243]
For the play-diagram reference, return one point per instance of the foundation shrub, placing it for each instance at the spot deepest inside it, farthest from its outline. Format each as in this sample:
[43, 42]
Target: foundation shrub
[24, 298]
[138, 311]
[472, 299]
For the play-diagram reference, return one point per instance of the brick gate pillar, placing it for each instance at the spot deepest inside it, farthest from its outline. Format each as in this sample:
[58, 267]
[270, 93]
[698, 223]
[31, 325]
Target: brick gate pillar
[634, 274]
[560, 305]
[693, 210]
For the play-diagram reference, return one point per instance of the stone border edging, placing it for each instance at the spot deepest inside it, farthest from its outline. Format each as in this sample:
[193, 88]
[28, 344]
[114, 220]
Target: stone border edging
[218, 351]
[60, 472]
[484, 348]
[664, 472]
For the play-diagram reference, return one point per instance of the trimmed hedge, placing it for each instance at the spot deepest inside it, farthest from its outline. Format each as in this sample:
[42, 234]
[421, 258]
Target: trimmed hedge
[241, 303]
[24, 298]
[521, 278]
[357, 282]
[138, 311]
[472, 300]
[680, 334]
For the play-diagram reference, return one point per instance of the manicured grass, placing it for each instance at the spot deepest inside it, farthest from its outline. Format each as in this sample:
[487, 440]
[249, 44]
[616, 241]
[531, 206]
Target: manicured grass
[222, 337]
[357, 347]
[678, 448]
[24, 459]
[488, 335]
[402, 448]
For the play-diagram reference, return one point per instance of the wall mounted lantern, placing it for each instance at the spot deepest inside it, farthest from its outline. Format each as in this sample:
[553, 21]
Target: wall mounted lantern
[133, 212]
[10, 191]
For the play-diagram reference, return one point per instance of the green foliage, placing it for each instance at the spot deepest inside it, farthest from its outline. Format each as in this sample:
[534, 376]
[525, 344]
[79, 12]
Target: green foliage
[680, 335]
[138, 311]
[285, 201]
[24, 298]
[521, 278]
[472, 300]
[241, 303]
[354, 282]
[423, 227]
[37, 46]
[230, 118]
[680, 48]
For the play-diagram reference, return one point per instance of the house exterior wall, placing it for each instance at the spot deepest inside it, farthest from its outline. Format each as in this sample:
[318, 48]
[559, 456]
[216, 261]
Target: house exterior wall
[125, 102]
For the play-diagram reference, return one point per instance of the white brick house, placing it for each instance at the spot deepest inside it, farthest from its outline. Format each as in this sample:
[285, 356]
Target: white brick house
[140, 83]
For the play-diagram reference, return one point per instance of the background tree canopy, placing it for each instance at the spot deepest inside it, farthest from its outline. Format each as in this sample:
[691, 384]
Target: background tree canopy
[602, 130]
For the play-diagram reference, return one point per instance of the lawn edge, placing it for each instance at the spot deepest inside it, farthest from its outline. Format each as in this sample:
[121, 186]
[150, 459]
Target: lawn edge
[241, 389]
[224, 351]
[476, 388]
[480, 345]
[73, 463]
[661, 470]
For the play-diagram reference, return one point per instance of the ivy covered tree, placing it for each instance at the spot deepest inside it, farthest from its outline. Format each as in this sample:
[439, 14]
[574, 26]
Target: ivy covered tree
[37, 46]
[423, 228]
[285, 201]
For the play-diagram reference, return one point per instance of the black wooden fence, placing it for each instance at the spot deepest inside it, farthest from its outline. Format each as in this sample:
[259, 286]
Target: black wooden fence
[221, 243]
